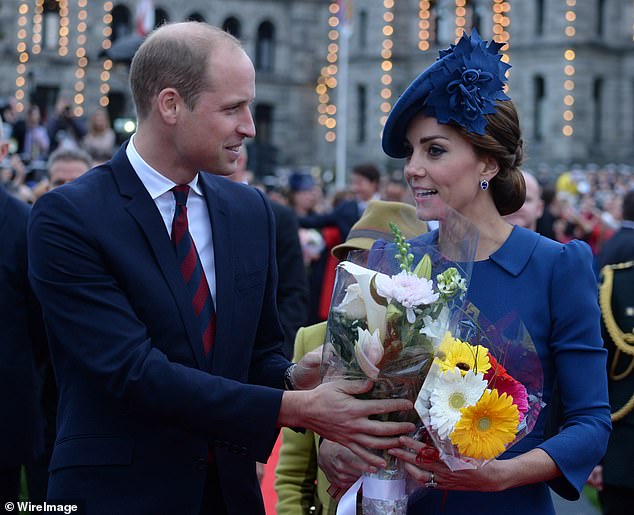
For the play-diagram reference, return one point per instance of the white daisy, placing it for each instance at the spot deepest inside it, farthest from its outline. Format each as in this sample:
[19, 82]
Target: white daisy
[452, 392]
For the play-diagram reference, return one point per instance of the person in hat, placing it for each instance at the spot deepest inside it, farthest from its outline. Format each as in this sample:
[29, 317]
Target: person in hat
[297, 471]
[460, 135]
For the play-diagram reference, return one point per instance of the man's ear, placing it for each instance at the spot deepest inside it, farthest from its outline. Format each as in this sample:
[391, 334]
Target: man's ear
[168, 102]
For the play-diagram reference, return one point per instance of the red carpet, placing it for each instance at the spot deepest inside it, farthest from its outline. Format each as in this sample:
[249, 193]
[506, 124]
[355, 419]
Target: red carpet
[268, 492]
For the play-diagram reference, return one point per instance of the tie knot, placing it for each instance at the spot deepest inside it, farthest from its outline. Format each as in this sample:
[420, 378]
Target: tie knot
[181, 191]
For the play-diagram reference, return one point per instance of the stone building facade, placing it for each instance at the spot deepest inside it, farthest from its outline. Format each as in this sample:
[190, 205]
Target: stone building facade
[590, 118]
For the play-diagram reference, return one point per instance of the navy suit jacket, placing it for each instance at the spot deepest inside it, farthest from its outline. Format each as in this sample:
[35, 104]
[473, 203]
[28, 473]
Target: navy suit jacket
[618, 249]
[21, 341]
[139, 403]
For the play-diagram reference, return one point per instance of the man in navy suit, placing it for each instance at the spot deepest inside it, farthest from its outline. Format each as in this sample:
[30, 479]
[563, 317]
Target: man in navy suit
[22, 340]
[152, 417]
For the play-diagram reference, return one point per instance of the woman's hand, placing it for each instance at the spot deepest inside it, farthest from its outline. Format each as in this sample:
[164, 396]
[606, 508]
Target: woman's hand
[421, 460]
[596, 478]
[341, 466]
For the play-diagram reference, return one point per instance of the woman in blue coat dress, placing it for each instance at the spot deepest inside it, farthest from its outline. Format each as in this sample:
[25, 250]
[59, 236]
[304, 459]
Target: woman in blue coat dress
[460, 135]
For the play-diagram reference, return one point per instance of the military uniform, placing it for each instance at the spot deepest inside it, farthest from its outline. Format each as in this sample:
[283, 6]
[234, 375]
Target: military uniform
[617, 310]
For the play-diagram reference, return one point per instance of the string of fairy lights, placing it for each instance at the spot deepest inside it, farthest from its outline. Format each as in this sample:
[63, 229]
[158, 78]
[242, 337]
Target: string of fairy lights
[424, 25]
[40, 39]
[569, 69]
[104, 87]
[460, 18]
[501, 24]
[327, 80]
[386, 60]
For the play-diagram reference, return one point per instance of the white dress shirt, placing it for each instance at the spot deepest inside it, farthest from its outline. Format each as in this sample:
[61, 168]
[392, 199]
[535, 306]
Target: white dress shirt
[159, 187]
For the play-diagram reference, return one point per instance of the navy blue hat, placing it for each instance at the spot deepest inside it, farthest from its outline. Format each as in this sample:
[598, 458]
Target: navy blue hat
[301, 182]
[460, 87]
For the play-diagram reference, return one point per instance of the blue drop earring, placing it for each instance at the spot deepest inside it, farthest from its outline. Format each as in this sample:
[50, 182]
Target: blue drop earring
[484, 184]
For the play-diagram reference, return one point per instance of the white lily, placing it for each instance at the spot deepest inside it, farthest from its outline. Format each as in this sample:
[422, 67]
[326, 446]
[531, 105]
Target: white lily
[376, 313]
[352, 305]
[368, 350]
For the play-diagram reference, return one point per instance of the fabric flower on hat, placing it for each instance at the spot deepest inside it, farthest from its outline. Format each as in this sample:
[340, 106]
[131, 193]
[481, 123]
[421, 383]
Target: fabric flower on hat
[467, 85]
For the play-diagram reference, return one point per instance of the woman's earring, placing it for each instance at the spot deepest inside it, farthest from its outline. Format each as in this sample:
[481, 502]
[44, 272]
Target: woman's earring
[484, 184]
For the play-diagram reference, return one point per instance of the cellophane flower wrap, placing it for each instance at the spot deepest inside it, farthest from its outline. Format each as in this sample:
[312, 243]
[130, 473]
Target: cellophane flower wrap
[483, 392]
[390, 308]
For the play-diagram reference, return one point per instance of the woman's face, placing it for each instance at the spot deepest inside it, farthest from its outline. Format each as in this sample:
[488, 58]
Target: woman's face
[442, 168]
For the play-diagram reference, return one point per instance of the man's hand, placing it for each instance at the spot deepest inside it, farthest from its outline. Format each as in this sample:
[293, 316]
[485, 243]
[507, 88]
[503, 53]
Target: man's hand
[331, 411]
[306, 375]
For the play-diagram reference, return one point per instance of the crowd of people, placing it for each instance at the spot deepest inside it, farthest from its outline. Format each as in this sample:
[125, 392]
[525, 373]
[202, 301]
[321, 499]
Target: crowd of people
[184, 311]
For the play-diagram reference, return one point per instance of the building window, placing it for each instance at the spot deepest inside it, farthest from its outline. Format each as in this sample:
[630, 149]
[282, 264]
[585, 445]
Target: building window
[50, 26]
[232, 26]
[362, 103]
[264, 123]
[195, 17]
[265, 47]
[539, 106]
[363, 29]
[160, 17]
[597, 97]
[600, 17]
[539, 17]
[121, 25]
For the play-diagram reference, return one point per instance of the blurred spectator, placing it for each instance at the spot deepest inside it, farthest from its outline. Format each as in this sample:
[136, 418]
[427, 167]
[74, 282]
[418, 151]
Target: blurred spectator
[99, 142]
[614, 476]
[549, 212]
[364, 183]
[533, 207]
[64, 128]
[22, 344]
[620, 247]
[64, 165]
[301, 485]
[292, 287]
[31, 136]
[395, 190]
[315, 243]
[10, 116]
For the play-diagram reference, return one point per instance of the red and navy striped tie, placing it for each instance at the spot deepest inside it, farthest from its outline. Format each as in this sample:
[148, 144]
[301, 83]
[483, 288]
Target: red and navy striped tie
[192, 269]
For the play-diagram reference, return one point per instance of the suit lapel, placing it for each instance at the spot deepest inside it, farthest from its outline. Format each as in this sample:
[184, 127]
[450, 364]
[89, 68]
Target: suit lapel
[142, 208]
[219, 214]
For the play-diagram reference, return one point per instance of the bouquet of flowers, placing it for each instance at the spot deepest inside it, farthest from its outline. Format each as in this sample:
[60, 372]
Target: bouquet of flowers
[483, 392]
[389, 309]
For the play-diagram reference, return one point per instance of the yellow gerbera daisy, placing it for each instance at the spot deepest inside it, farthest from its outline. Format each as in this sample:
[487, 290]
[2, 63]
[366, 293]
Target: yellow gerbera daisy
[486, 428]
[453, 352]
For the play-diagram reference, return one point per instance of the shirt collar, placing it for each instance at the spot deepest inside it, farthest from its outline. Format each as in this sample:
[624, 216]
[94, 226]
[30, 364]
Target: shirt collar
[516, 251]
[155, 183]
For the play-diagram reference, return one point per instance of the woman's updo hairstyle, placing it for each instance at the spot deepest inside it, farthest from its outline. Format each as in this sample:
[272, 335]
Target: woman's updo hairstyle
[502, 141]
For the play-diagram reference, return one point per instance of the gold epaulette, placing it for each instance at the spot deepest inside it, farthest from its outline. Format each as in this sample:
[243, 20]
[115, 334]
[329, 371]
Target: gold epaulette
[624, 342]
